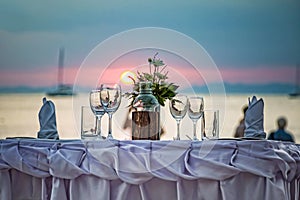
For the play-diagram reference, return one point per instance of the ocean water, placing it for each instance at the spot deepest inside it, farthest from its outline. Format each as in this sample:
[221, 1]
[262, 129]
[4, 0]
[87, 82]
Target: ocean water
[19, 116]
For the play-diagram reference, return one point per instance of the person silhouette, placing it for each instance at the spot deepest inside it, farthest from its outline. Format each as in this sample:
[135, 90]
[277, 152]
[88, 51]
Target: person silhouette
[239, 131]
[281, 134]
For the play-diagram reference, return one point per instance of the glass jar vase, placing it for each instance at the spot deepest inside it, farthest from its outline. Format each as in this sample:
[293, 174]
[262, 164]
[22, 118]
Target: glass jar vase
[146, 114]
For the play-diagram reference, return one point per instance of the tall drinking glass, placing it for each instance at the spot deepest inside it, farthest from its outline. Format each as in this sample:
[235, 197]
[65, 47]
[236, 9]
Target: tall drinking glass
[211, 124]
[178, 107]
[110, 95]
[98, 109]
[195, 112]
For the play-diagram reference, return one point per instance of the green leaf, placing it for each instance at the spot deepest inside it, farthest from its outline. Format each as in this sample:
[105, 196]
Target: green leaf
[148, 76]
[160, 100]
[160, 76]
[157, 63]
[173, 87]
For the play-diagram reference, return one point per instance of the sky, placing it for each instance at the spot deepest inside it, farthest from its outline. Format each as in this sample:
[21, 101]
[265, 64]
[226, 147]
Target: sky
[255, 41]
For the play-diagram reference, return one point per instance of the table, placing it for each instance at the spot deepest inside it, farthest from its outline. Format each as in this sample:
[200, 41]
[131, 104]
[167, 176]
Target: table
[216, 169]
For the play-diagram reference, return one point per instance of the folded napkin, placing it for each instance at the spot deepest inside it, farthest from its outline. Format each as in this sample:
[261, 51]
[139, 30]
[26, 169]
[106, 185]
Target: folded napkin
[47, 121]
[254, 119]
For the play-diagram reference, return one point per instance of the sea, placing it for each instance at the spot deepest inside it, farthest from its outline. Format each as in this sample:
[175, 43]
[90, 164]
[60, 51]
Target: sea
[19, 116]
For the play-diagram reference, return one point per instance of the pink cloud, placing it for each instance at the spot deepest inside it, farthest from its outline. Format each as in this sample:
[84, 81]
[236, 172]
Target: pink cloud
[182, 75]
[259, 75]
[29, 78]
[188, 75]
[35, 78]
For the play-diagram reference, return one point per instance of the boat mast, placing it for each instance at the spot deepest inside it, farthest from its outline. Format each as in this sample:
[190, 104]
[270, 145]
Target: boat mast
[61, 56]
[298, 78]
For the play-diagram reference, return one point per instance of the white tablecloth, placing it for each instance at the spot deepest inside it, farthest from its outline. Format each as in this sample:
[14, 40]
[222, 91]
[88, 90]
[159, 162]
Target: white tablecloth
[219, 169]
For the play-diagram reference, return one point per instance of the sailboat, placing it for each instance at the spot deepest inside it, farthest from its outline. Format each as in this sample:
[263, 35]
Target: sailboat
[61, 89]
[296, 91]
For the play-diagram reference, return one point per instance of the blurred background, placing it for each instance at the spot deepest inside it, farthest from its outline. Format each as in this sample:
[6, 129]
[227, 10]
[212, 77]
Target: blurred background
[254, 44]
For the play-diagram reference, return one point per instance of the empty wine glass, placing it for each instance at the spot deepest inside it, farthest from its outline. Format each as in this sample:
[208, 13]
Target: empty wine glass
[195, 112]
[98, 109]
[178, 107]
[110, 95]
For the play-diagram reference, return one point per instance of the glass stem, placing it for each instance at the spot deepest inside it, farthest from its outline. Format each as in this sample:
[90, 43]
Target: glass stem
[98, 125]
[195, 130]
[109, 136]
[178, 129]
[202, 128]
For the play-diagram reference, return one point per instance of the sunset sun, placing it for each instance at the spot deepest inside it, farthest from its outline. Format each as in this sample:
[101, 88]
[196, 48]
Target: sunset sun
[128, 77]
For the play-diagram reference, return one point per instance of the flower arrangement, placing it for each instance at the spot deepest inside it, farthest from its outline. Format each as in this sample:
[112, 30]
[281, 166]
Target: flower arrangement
[161, 89]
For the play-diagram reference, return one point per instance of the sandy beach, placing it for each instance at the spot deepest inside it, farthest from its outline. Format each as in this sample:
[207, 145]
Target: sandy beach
[19, 116]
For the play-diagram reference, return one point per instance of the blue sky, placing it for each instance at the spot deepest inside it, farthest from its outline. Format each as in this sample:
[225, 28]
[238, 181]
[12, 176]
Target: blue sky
[245, 36]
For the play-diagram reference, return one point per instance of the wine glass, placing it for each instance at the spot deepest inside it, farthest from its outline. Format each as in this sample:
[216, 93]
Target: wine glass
[195, 112]
[98, 109]
[178, 108]
[110, 95]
